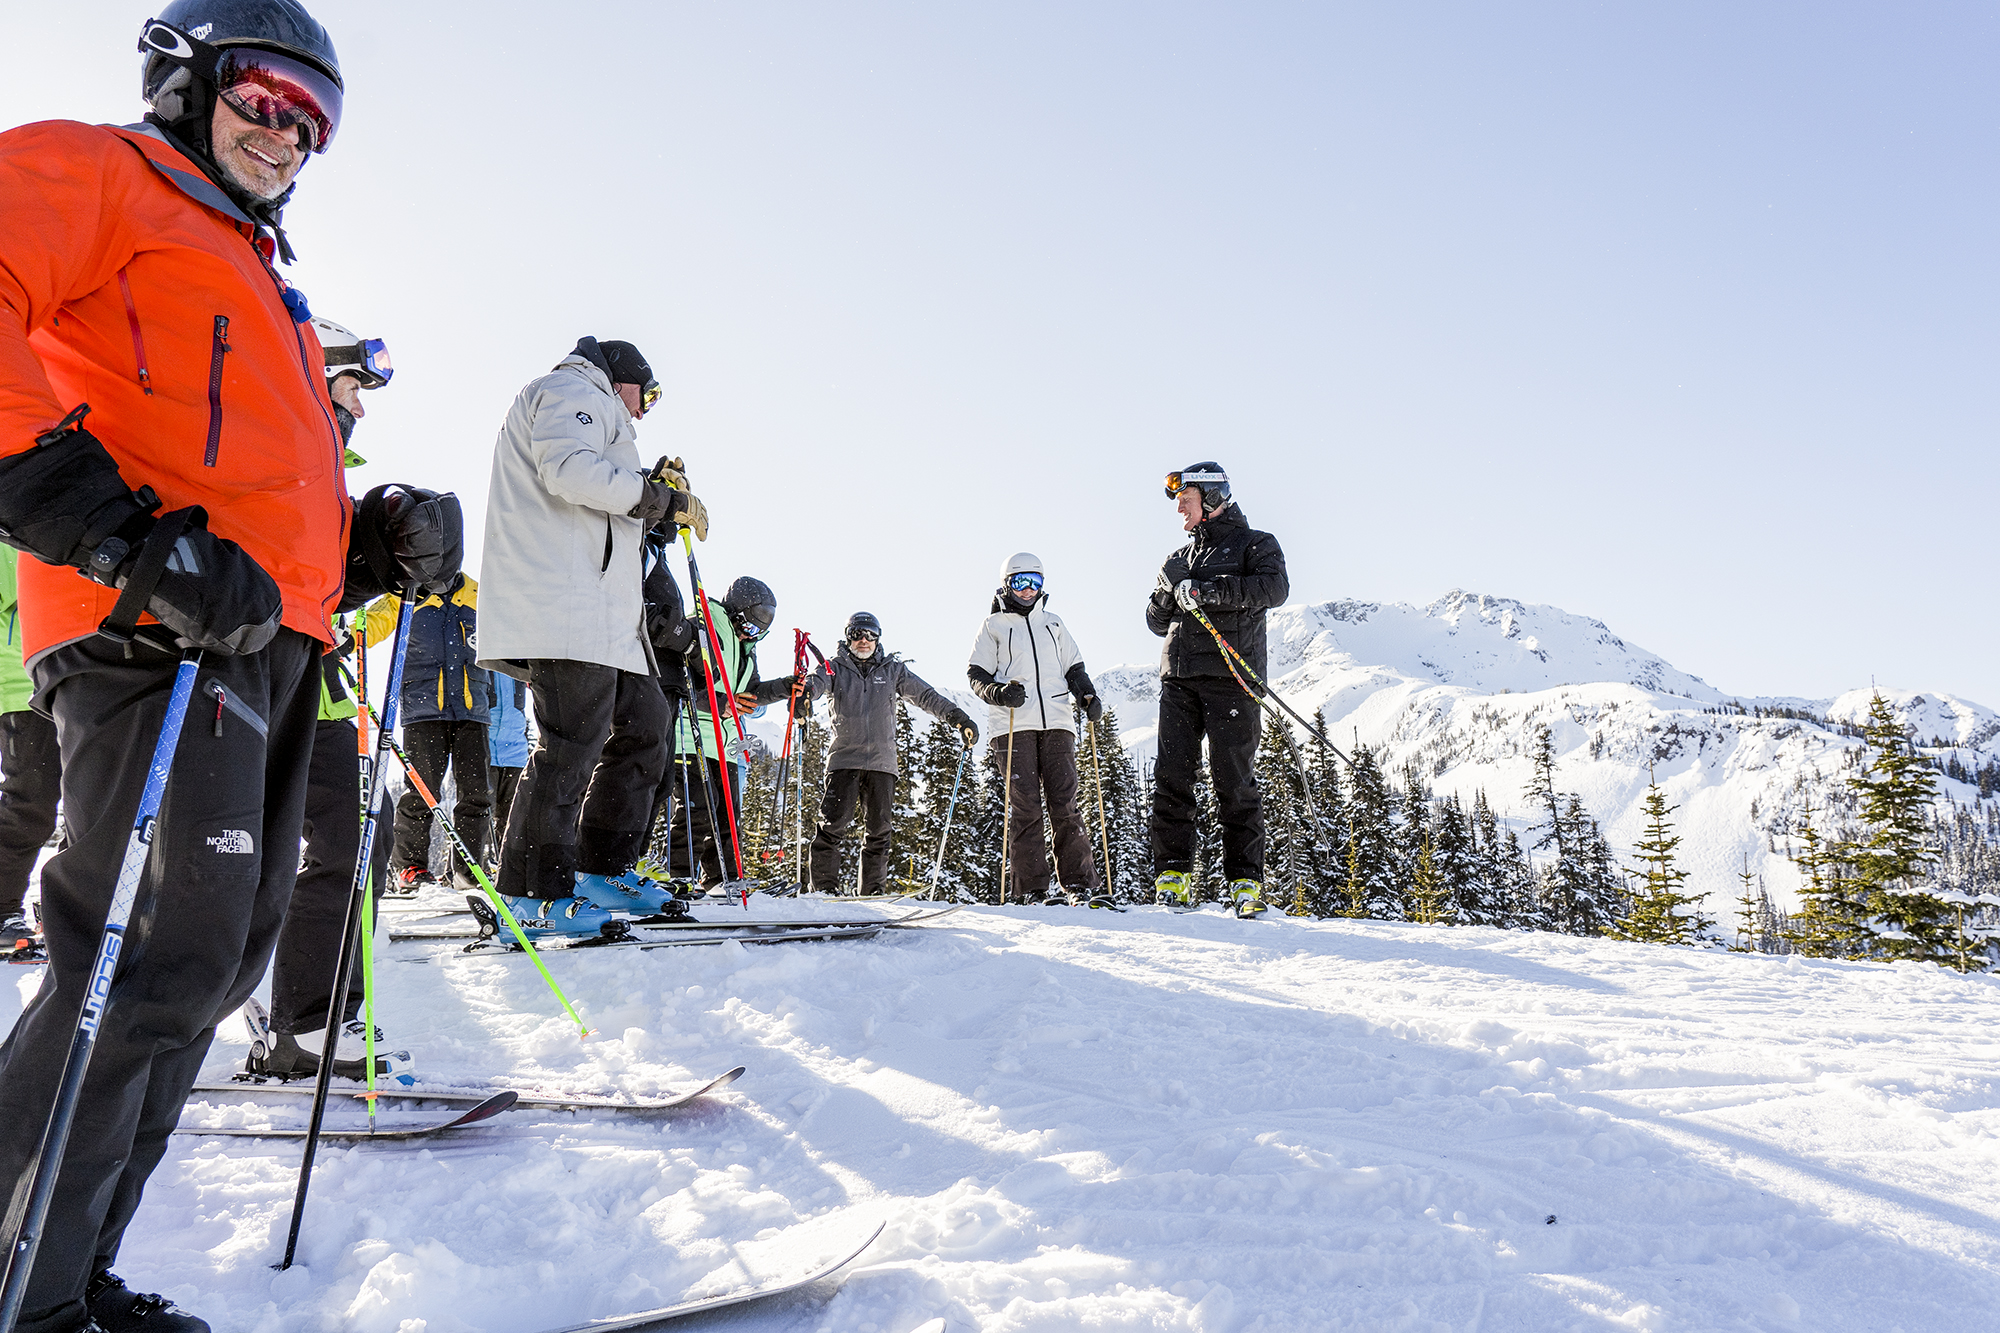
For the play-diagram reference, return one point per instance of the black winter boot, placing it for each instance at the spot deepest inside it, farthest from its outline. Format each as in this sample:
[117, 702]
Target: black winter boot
[118, 1309]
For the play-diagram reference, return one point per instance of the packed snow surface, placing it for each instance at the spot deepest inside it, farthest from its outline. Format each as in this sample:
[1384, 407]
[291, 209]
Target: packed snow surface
[1077, 1119]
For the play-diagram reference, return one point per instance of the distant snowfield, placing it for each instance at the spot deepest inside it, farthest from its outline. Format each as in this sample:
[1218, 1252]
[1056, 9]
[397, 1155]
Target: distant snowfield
[1087, 1120]
[1459, 687]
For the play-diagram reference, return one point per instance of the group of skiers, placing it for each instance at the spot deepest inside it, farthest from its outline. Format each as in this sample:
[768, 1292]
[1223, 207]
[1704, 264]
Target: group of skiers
[174, 428]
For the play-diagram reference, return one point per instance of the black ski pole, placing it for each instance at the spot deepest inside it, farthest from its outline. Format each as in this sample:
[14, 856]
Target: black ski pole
[46, 1165]
[336, 1002]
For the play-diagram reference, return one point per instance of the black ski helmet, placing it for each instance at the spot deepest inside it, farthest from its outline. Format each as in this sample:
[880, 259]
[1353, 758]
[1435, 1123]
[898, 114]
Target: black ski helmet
[862, 622]
[1208, 478]
[274, 25]
[751, 602]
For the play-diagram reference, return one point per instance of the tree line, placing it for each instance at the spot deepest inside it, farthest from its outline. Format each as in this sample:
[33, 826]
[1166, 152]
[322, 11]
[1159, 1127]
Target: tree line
[1894, 879]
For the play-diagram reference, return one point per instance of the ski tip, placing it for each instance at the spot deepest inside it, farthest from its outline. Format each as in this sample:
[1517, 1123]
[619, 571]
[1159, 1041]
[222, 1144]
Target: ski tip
[725, 1080]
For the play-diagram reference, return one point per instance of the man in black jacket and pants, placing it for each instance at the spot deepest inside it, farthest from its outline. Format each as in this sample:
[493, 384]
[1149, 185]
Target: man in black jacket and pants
[1233, 574]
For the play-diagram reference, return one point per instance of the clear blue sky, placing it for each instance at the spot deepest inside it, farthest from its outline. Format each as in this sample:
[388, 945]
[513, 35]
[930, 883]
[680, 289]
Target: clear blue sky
[1677, 316]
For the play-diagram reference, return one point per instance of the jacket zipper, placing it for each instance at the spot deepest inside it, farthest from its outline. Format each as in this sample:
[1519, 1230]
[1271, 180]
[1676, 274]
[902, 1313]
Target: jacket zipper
[218, 348]
[339, 445]
[138, 343]
[1041, 696]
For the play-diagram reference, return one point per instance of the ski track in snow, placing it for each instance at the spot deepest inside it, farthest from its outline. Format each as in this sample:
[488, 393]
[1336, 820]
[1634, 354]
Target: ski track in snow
[1077, 1119]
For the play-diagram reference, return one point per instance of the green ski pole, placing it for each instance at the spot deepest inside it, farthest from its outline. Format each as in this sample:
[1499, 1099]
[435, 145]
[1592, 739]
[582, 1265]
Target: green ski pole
[472, 864]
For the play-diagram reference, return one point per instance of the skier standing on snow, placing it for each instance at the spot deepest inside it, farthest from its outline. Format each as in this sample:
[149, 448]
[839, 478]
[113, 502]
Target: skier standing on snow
[30, 775]
[447, 702]
[1028, 669]
[741, 619]
[567, 509]
[135, 263]
[1233, 574]
[308, 949]
[671, 632]
[865, 681]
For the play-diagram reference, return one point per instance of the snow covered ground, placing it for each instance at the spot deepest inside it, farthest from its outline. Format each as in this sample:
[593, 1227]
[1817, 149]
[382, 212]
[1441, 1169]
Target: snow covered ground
[1087, 1120]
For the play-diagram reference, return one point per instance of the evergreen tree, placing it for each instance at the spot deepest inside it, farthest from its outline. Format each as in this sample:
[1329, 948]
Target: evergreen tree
[1452, 857]
[1749, 912]
[1892, 859]
[909, 854]
[1374, 884]
[1492, 900]
[1824, 926]
[1326, 810]
[1430, 900]
[1288, 831]
[1413, 835]
[1660, 912]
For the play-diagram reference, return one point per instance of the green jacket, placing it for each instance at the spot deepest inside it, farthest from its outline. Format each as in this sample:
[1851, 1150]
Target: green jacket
[15, 687]
[742, 658]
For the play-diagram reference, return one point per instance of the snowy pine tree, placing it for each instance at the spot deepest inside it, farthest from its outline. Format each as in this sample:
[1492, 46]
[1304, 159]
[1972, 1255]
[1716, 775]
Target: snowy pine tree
[1659, 912]
[1893, 857]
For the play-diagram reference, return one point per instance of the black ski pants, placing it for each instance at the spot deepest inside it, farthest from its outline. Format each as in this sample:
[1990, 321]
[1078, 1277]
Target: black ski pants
[308, 951]
[714, 852]
[1044, 767]
[30, 783]
[1215, 707]
[224, 855]
[505, 780]
[847, 789]
[432, 747]
[585, 801]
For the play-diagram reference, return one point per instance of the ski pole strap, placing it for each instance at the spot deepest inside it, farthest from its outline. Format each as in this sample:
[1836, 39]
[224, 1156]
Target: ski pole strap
[144, 579]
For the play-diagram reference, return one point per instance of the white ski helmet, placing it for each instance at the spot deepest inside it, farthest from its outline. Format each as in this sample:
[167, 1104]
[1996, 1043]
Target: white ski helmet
[348, 353]
[1026, 568]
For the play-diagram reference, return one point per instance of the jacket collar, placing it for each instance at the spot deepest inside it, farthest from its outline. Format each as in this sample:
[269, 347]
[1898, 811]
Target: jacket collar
[193, 184]
[1216, 528]
[863, 665]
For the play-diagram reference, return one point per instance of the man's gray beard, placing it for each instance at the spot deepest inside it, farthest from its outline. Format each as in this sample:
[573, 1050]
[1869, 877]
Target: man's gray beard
[229, 174]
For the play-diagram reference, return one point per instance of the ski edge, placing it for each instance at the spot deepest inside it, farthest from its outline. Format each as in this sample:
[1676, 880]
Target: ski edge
[525, 1101]
[486, 1110]
[614, 1323]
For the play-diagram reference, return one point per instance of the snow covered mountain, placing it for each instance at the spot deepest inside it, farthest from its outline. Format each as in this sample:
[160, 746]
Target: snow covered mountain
[1459, 687]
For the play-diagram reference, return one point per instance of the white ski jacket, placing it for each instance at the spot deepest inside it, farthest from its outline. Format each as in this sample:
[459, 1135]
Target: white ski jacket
[1036, 650]
[560, 573]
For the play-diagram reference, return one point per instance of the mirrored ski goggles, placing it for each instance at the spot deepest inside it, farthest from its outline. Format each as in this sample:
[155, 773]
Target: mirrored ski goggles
[755, 622]
[867, 635]
[367, 361]
[274, 90]
[648, 395]
[1025, 581]
[1180, 481]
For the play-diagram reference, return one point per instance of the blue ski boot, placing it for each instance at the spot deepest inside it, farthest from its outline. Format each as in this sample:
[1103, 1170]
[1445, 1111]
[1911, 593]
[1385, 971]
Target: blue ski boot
[628, 891]
[565, 918]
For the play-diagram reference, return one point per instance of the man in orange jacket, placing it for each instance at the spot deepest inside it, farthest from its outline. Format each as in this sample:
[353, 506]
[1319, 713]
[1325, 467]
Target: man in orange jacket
[165, 420]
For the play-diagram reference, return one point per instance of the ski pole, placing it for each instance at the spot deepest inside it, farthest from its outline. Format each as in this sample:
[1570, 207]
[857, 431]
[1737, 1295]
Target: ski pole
[1007, 810]
[1263, 690]
[729, 688]
[336, 1002]
[1103, 824]
[707, 787]
[479, 875]
[46, 1165]
[1258, 696]
[950, 808]
[360, 683]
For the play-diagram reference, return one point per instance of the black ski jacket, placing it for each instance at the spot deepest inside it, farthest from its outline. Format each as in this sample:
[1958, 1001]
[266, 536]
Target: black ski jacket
[1240, 574]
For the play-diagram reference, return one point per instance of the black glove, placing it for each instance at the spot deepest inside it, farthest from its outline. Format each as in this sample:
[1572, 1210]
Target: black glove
[411, 535]
[63, 499]
[1011, 695]
[212, 594]
[959, 719]
[1085, 693]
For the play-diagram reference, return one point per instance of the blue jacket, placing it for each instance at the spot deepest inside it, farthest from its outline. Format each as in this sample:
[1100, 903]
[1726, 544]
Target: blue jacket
[507, 729]
[440, 682]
